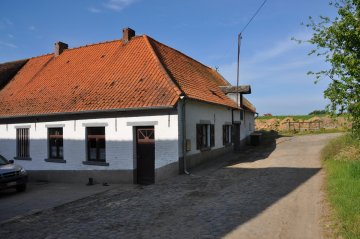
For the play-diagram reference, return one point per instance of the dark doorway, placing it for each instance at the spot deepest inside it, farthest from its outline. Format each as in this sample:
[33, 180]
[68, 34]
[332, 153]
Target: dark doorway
[236, 135]
[145, 155]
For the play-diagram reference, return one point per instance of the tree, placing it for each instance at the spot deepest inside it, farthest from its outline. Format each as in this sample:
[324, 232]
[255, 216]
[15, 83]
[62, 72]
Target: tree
[318, 112]
[338, 41]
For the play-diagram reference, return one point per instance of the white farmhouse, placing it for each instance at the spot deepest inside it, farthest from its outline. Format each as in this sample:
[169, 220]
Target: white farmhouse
[129, 110]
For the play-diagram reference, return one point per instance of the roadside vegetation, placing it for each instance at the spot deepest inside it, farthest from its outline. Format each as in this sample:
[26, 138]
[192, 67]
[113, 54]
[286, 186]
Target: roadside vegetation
[341, 159]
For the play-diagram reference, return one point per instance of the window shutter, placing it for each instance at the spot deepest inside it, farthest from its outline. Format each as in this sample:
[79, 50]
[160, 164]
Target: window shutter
[198, 136]
[212, 135]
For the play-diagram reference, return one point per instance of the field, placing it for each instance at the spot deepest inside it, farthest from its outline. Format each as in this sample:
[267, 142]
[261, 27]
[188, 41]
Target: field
[303, 123]
[295, 117]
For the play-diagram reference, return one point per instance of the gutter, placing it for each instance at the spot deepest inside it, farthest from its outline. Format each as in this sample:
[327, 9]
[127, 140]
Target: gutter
[88, 112]
[183, 120]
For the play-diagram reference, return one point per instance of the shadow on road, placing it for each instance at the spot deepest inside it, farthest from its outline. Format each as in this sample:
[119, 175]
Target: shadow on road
[206, 204]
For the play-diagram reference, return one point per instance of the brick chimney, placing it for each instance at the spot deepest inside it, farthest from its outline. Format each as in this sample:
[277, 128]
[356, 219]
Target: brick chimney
[128, 33]
[60, 47]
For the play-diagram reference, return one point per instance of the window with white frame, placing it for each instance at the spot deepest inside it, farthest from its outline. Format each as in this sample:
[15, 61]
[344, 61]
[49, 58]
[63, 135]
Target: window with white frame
[55, 139]
[22, 143]
[96, 144]
[205, 136]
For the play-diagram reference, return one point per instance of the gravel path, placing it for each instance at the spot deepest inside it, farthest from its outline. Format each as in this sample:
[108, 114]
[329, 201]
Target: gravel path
[272, 191]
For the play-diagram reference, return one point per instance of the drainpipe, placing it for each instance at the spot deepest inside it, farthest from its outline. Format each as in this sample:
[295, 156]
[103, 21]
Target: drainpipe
[183, 115]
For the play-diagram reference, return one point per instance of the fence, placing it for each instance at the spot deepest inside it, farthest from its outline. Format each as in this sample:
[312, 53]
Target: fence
[304, 126]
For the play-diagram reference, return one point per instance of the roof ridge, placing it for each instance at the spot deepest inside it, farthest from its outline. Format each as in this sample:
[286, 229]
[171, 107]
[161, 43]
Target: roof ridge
[189, 57]
[69, 49]
[24, 59]
[177, 87]
[182, 54]
[94, 44]
[221, 76]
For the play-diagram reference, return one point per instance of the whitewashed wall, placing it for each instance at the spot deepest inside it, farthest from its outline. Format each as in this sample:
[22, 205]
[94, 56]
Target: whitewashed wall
[247, 125]
[119, 143]
[248, 122]
[217, 115]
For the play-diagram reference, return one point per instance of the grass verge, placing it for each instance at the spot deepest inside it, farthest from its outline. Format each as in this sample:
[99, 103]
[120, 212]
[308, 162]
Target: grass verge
[342, 163]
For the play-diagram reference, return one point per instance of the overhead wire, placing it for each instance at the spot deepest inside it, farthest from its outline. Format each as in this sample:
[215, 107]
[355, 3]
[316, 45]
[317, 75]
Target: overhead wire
[228, 51]
[252, 18]
[238, 51]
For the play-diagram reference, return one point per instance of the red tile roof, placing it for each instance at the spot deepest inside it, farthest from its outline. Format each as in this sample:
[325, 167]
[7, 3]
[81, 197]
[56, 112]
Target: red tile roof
[247, 105]
[196, 80]
[108, 76]
[8, 70]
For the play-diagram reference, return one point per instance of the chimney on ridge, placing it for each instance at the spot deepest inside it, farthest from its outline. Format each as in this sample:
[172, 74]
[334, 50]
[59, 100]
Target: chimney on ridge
[60, 47]
[128, 33]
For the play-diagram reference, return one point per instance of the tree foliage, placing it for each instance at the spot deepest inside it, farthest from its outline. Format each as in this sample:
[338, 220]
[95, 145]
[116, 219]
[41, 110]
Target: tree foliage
[318, 112]
[338, 41]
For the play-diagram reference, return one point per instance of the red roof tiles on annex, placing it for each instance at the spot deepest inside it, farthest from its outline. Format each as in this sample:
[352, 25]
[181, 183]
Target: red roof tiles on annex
[106, 76]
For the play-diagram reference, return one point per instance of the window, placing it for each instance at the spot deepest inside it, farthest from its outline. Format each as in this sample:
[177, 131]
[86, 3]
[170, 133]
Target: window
[241, 114]
[56, 148]
[226, 134]
[22, 143]
[95, 144]
[205, 136]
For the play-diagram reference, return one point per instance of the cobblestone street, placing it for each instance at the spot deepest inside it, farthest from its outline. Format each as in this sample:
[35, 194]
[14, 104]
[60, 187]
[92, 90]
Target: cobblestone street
[265, 192]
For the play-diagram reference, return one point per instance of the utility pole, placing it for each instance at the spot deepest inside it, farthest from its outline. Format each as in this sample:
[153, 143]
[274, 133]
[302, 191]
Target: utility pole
[238, 68]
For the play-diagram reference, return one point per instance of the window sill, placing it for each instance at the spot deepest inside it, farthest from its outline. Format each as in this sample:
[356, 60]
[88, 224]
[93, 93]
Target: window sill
[96, 163]
[51, 160]
[26, 158]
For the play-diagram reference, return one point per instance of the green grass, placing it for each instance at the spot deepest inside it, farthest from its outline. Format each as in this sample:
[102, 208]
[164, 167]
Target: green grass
[342, 163]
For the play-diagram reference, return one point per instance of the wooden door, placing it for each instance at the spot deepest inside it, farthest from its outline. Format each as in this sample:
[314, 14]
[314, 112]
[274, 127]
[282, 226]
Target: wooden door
[145, 155]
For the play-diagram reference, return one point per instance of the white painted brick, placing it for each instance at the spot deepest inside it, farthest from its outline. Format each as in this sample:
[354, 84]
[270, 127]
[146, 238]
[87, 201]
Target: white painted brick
[119, 143]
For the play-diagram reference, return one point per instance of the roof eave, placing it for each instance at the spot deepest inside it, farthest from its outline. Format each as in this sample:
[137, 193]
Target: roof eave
[213, 103]
[90, 112]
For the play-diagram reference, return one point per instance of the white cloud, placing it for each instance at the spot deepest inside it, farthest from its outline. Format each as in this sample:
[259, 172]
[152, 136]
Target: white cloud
[8, 22]
[280, 48]
[94, 10]
[278, 77]
[289, 105]
[285, 58]
[5, 22]
[118, 5]
[7, 44]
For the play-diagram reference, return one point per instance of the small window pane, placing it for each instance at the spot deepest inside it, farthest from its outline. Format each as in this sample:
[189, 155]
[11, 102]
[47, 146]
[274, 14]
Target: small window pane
[96, 144]
[55, 143]
[22, 143]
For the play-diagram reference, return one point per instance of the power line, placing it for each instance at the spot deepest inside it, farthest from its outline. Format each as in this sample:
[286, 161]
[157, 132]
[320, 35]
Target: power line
[238, 53]
[252, 18]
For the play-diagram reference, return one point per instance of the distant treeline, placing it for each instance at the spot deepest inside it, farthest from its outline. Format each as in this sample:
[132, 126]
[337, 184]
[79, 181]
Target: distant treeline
[318, 112]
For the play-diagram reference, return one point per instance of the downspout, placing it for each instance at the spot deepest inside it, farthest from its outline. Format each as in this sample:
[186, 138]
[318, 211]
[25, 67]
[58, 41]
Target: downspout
[183, 115]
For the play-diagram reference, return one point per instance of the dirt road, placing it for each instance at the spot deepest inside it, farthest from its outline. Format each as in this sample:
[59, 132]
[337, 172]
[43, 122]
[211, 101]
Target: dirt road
[266, 192]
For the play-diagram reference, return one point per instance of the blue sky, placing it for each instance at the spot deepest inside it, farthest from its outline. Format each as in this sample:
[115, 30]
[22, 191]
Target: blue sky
[206, 30]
